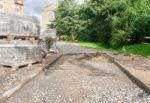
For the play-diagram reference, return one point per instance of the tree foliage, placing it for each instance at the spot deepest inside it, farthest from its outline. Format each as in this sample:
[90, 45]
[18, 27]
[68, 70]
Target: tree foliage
[113, 22]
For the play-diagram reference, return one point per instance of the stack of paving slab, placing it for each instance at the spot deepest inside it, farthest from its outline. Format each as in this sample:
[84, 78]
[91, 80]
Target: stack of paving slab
[16, 53]
[19, 25]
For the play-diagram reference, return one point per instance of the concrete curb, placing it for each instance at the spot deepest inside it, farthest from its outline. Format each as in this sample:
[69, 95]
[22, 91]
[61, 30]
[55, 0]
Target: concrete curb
[12, 91]
[52, 62]
[79, 53]
[134, 79]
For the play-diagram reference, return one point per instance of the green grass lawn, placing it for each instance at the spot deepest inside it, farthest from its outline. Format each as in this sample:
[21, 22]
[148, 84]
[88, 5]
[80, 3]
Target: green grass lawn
[138, 49]
[92, 45]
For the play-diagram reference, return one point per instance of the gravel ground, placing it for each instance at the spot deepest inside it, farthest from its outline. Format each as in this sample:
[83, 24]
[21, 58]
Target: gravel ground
[81, 79]
[67, 48]
[10, 79]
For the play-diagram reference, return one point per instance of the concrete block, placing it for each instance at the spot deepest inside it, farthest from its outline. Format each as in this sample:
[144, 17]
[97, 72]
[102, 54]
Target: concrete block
[19, 25]
[19, 53]
[52, 33]
[49, 33]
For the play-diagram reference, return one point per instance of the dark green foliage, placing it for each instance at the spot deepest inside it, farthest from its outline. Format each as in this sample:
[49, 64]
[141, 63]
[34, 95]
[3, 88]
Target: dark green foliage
[113, 22]
[66, 21]
[141, 29]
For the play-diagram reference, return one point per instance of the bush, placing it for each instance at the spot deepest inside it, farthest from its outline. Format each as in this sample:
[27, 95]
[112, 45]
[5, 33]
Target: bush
[141, 29]
[112, 22]
[65, 38]
[119, 39]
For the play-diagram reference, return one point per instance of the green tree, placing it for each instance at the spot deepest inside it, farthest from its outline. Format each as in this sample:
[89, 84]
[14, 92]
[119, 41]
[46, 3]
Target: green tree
[66, 21]
[113, 22]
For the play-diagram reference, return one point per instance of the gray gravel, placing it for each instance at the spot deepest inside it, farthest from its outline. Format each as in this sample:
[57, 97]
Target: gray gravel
[67, 48]
[9, 79]
[76, 80]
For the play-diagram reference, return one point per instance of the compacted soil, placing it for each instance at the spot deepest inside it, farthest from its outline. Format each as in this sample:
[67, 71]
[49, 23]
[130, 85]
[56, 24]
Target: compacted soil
[81, 78]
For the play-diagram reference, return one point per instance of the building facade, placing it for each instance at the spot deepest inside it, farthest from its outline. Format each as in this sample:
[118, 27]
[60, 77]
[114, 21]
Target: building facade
[48, 15]
[11, 6]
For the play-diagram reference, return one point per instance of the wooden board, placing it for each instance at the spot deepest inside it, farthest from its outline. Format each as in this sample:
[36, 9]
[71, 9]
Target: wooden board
[11, 37]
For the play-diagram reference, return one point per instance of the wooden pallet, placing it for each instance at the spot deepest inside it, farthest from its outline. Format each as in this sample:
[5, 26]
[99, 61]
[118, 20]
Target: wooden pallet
[14, 68]
[11, 37]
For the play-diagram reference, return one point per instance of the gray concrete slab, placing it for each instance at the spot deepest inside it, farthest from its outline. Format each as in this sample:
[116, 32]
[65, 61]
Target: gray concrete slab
[19, 25]
[16, 54]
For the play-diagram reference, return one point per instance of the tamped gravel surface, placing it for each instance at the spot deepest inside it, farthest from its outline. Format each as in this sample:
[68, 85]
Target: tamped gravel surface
[81, 79]
[10, 79]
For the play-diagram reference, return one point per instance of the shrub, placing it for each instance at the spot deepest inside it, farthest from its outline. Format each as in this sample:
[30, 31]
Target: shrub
[141, 29]
[119, 39]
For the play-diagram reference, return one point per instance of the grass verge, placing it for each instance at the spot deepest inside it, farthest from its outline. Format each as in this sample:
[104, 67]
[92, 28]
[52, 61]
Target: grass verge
[138, 49]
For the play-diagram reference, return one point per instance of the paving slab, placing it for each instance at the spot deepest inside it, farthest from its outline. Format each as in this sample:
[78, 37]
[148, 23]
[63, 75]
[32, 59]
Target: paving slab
[18, 53]
[19, 25]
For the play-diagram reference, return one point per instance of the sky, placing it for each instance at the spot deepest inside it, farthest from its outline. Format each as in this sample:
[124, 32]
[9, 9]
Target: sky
[36, 6]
